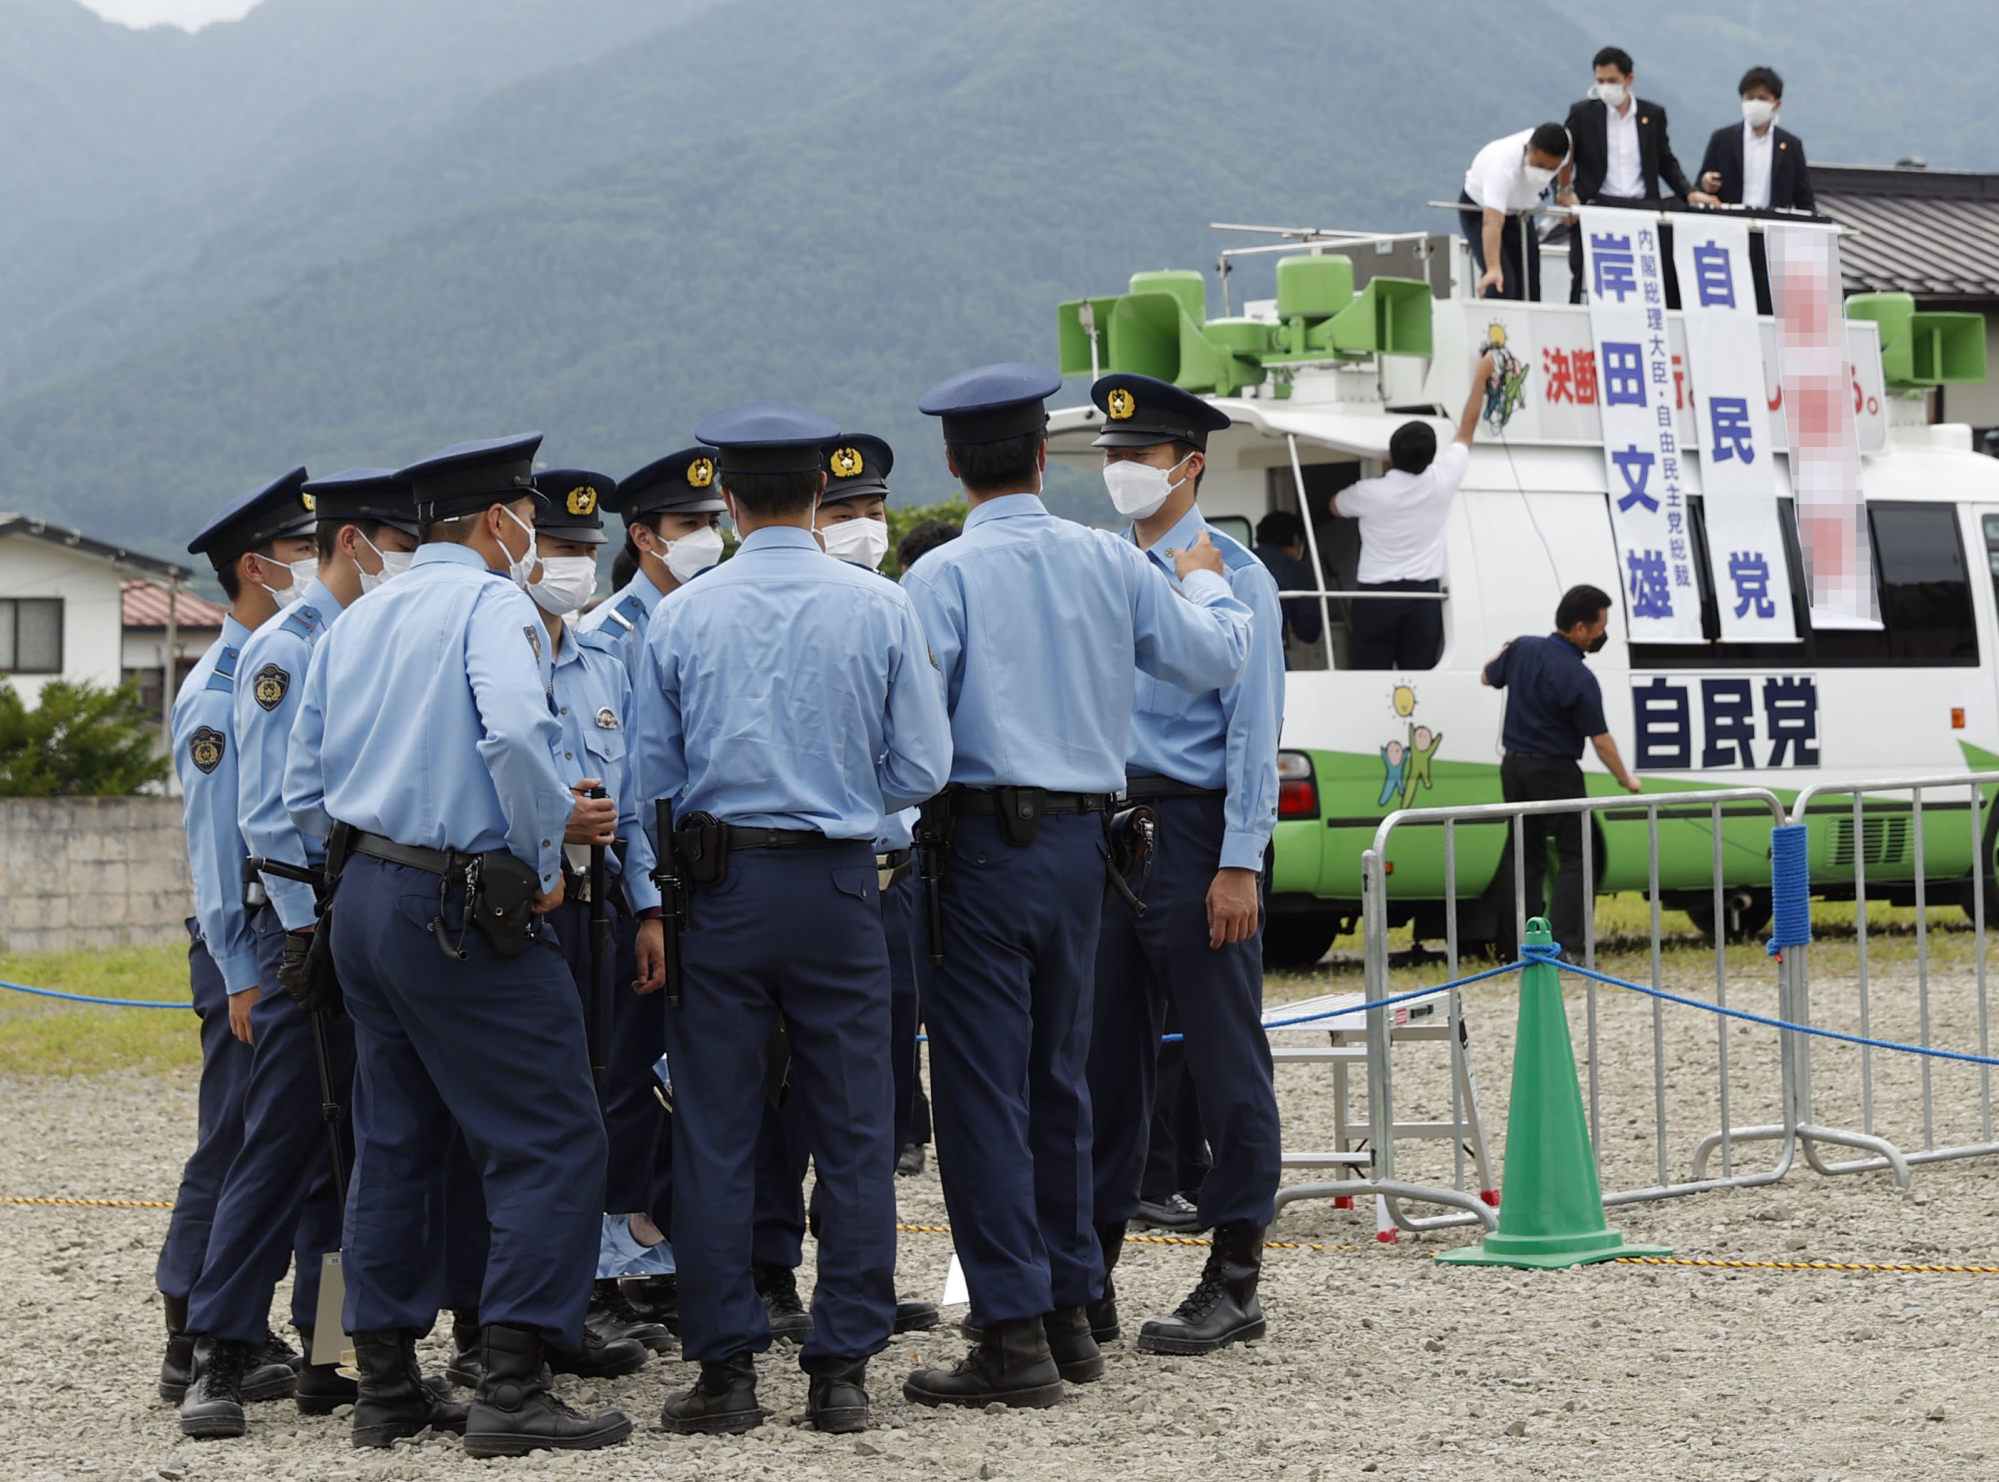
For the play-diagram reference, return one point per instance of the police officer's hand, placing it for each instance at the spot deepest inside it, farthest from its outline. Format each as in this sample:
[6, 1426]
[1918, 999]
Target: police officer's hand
[652, 956]
[592, 820]
[1200, 556]
[240, 1005]
[548, 900]
[294, 976]
[1232, 907]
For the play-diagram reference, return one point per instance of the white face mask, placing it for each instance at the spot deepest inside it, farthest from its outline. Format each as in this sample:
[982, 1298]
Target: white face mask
[302, 572]
[1613, 94]
[693, 554]
[1138, 489]
[1757, 112]
[394, 564]
[519, 571]
[863, 542]
[1538, 176]
[567, 582]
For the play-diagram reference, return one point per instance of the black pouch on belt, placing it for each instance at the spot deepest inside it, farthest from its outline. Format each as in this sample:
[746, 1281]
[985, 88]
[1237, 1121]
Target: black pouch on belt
[502, 901]
[702, 842]
[1018, 812]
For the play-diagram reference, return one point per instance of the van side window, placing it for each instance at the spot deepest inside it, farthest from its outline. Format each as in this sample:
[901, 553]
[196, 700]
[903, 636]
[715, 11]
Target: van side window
[1921, 577]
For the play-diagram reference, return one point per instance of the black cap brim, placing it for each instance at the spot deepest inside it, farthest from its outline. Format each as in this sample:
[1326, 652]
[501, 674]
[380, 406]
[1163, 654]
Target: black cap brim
[581, 534]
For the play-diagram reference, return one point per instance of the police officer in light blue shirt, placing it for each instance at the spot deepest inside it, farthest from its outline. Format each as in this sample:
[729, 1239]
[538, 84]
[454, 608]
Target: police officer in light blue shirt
[252, 544]
[671, 512]
[424, 751]
[278, 1202]
[1037, 624]
[1205, 764]
[786, 705]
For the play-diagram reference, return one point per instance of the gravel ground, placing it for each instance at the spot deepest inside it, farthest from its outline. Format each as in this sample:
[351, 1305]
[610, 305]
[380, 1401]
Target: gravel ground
[1378, 1363]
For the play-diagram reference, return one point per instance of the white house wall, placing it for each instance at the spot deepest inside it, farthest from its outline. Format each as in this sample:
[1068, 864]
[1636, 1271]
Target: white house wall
[92, 620]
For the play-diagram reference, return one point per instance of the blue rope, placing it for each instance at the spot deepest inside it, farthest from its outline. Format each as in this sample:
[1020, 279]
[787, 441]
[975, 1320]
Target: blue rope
[115, 1003]
[1790, 889]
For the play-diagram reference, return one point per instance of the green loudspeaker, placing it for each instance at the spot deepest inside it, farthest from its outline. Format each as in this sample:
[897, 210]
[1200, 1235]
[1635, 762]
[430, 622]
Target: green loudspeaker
[1947, 349]
[1391, 317]
[1076, 323]
[1892, 311]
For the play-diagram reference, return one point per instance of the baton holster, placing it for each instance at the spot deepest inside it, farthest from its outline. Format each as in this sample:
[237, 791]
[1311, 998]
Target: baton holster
[777, 1067]
[1017, 811]
[1132, 839]
[500, 900]
[932, 837]
[701, 843]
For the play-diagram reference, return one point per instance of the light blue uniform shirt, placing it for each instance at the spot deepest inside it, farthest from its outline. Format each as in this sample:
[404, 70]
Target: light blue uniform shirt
[270, 678]
[1224, 737]
[593, 705]
[426, 718]
[622, 618]
[786, 689]
[1037, 623]
[205, 761]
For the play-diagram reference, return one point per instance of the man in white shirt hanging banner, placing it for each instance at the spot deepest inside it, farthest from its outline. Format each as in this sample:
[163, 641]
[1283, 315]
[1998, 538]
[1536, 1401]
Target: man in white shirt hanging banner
[1825, 440]
[1641, 447]
[1752, 583]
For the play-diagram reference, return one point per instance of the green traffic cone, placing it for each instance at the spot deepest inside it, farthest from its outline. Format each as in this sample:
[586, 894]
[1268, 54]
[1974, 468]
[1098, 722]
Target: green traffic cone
[1552, 1213]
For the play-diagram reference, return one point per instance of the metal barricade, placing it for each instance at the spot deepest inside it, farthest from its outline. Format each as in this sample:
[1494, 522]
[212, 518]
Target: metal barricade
[1694, 810]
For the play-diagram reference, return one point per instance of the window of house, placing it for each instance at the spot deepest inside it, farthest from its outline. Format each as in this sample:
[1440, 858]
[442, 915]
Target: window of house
[30, 635]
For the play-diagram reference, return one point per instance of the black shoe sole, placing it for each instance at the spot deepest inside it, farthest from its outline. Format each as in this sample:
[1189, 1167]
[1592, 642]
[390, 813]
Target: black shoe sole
[795, 1330]
[322, 1404]
[729, 1423]
[841, 1420]
[281, 1385]
[1040, 1397]
[1111, 1334]
[1089, 1371]
[661, 1346]
[378, 1437]
[213, 1427]
[607, 1371]
[922, 1322]
[1154, 1342]
[515, 1443]
[173, 1394]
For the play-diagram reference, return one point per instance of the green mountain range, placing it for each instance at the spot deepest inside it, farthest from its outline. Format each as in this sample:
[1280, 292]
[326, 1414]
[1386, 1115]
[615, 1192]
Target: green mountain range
[349, 231]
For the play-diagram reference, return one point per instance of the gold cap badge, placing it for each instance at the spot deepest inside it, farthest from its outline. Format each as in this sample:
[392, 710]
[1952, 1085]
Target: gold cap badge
[306, 500]
[847, 463]
[701, 473]
[583, 500]
[1121, 404]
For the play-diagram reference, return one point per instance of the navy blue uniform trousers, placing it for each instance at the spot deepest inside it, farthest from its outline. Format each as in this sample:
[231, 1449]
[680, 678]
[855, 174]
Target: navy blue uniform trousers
[277, 1202]
[225, 1071]
[794, 932]
[785, 1143]
[496, 1045]
[1009, 1019]
[1217, 994]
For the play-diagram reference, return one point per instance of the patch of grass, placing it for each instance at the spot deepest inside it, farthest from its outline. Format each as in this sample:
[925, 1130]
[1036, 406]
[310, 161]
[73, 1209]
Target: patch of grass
[40, 1036]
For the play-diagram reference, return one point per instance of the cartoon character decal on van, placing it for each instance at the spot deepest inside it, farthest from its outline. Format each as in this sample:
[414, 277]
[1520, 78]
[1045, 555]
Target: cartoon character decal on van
[1508, 393]
[1405, 764]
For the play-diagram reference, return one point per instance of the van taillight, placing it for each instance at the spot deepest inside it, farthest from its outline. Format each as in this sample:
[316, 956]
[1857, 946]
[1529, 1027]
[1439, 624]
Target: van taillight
[1297, 788]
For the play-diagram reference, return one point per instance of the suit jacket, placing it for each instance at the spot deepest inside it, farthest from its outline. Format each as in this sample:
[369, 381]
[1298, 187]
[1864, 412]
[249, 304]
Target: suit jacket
[1790, 180]
[1589, 135]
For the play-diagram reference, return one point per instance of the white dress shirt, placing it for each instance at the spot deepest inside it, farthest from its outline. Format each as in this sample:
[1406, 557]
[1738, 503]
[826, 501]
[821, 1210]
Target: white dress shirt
[1498, 179]
[1758, 156]
[1402, 518]
[1624, 170]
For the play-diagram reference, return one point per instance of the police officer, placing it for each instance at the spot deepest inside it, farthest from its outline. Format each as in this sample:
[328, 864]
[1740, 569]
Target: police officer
[852, 524]
[1036, 624]
[434, 778]
[253, 544]
[671, 511]
[278, 1200]
[593, 704]
[1553, 704]
[786, 705]
[1205, 764]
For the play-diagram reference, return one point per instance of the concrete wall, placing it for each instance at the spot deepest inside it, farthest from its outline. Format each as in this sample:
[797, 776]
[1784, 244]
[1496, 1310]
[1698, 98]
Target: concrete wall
[92, 618]
[92, 872]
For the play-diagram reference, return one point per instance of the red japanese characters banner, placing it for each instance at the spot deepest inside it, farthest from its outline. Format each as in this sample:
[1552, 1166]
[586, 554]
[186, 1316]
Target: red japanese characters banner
[1825, 439]
[1745, 544]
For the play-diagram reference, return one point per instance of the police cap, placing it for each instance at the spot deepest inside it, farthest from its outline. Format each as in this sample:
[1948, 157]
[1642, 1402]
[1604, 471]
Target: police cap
[468, 477]
[1141, 412]
[857, 467]
[992, 402]
[575, 508]
[767, 437]
[367, 494]
[681, 483]
[277, 509]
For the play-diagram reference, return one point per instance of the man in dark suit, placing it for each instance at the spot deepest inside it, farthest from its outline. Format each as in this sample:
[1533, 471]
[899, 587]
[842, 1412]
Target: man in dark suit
[1621, 155]
[1759, 165]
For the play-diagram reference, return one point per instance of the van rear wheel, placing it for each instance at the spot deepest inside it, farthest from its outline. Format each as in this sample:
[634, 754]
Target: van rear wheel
[1746, 911]
[1299, 939]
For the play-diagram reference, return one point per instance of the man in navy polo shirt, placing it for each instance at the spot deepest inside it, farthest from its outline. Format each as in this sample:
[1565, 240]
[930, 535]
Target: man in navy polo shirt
[1552, 704]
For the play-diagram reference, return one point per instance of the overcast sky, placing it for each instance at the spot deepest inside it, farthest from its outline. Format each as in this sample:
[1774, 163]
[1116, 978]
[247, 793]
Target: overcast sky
[192, 14]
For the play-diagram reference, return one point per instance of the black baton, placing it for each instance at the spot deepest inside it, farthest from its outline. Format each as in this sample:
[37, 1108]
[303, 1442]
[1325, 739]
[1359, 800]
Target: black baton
[600, 951]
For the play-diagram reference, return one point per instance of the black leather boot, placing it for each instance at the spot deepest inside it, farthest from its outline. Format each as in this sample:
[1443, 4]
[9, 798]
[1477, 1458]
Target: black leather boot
[271, 1372]
[599, 1357]
[835, 1399]
[464, 1370]
[1223, 1308]
[514, 1413]
[778, 1286]
[722, 1402]
[1071, 1346]
[177, 1368]
[1010, 1366]
[1104, 1325]
[656, 1297]
[394, 1400]
[321, 1387]
[912, 1315]
[212, 1408]
[612, 1316]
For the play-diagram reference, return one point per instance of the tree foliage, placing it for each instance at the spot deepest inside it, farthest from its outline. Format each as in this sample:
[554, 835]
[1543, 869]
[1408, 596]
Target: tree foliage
[81, 741]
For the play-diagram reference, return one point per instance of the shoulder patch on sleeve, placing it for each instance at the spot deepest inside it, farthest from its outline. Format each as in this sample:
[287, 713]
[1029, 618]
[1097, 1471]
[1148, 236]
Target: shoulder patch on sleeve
[269, 687]
[205, 748]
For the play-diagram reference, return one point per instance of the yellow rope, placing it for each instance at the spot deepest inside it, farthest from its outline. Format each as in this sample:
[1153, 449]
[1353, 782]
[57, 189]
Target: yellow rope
[94, 1203]
[1801, 1265]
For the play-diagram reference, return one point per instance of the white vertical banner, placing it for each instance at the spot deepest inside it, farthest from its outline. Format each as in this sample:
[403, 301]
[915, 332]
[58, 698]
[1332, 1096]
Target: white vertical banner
[1626, 279]
[1745, 543]
[1819, 390]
